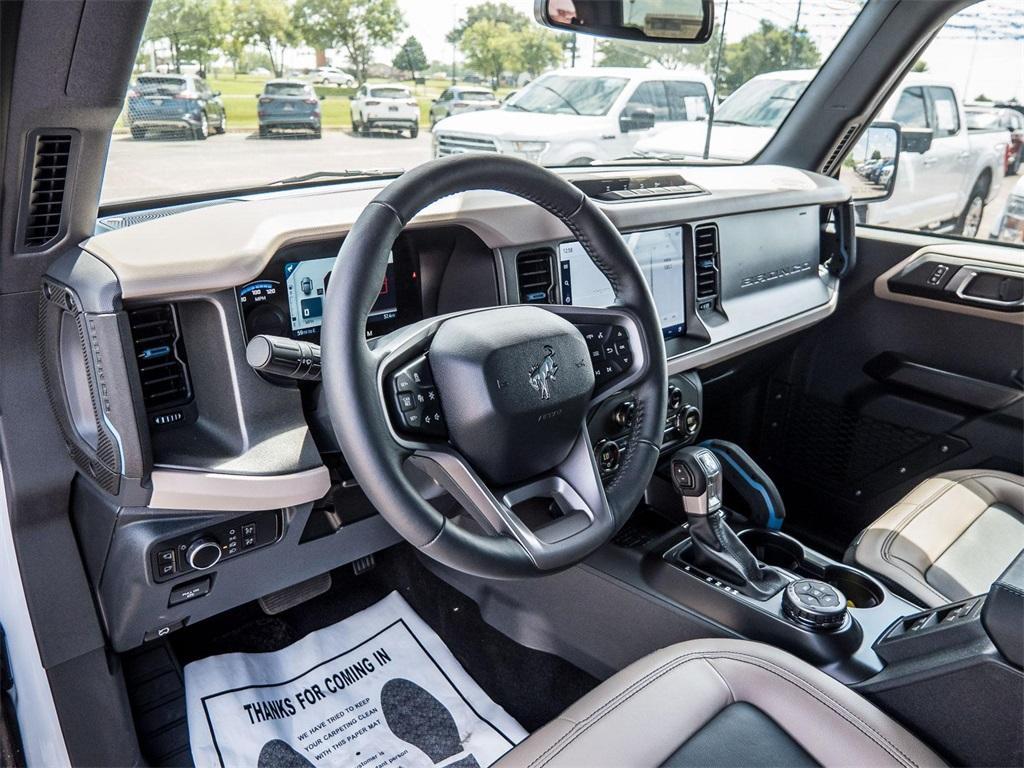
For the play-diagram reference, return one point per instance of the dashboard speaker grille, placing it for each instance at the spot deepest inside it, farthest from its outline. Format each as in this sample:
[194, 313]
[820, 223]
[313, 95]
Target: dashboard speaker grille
[706, 257]
[160, 356]
[535, 275]
[831, 165]
[51, 159]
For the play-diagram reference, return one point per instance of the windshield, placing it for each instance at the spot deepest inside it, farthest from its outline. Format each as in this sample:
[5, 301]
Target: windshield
[570, 95]
[761, 103]
[390, 93]
[324, 90]
[287, 89]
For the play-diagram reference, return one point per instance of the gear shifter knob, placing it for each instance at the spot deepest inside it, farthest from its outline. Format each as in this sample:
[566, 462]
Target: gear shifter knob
[697, 476]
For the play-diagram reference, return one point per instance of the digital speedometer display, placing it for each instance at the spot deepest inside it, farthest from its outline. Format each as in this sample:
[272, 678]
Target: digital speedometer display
[288, 298]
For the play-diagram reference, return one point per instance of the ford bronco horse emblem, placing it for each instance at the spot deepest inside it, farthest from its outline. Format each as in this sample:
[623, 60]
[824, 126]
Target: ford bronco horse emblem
[546, 370]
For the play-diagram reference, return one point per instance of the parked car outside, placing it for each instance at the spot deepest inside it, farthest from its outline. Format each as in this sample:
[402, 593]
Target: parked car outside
[578, 116]
[459, 99]
[1010, 226]
[943, 182]
[174, 103]
[332, 76]
[984, 117]
[389, 107]
[288, 105]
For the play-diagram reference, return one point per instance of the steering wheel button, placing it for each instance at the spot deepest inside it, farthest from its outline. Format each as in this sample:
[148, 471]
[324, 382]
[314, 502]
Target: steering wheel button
[406, 402]
[413, 419]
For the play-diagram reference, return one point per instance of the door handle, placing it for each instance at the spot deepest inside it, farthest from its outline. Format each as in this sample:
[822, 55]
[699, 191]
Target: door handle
[963, 156]
[929, 161]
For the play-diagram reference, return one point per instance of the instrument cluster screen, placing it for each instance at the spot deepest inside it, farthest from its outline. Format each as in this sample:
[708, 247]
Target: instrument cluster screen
[288, 298]
[660, 255]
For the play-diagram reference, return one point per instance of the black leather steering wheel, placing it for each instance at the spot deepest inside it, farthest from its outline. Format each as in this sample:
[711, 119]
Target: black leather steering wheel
[515, 385]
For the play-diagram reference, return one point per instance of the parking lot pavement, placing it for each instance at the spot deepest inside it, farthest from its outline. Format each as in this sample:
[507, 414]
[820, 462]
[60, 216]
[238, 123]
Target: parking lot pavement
[152, 167]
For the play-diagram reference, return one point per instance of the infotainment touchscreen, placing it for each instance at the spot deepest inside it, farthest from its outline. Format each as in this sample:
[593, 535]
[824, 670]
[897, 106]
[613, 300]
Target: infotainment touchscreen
[660, 255]
[306, 283]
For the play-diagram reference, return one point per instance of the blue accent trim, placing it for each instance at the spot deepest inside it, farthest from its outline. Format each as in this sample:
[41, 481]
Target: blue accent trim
[774, 523]
[152, 352]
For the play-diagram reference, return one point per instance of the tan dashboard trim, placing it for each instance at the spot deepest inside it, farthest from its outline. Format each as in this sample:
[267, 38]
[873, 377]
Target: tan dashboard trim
[214, 491]
[975, 252]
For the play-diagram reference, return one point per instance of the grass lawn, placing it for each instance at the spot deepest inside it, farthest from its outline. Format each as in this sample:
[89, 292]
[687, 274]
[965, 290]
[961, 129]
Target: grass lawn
[239, 96]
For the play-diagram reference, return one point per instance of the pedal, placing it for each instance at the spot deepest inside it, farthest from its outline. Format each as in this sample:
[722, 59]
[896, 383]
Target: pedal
[282, 600]
[363, 564]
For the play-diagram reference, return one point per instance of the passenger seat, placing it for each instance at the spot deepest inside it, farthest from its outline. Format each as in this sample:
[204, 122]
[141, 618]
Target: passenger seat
[947, 539]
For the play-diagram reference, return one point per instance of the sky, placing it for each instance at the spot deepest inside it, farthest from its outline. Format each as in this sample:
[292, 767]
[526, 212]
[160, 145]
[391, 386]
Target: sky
[967, 53]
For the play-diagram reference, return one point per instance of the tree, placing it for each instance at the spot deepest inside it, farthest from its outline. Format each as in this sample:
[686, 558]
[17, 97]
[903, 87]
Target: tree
[268, 24]
[536, 50]
[489, 47]
[411, 57]
[617, 54]
[192, 28]
[357, 26]
[500, 13]
[768, 49]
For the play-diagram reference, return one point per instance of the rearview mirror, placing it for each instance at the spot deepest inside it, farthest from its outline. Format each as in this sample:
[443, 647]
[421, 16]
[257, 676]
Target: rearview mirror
[870, 168]
[652, 21]
[917, 141]
[637, 120]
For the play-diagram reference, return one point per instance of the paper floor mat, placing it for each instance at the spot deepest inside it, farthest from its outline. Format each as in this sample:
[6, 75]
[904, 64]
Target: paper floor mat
[377, 689]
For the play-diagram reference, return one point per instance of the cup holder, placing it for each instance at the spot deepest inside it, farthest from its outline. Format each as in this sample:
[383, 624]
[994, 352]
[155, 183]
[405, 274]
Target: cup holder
[781, 551]
[860, 591]
[773, 548]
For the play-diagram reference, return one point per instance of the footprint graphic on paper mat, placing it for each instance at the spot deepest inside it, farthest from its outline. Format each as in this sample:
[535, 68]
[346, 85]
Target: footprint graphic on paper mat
[277, 754]
[418, 718]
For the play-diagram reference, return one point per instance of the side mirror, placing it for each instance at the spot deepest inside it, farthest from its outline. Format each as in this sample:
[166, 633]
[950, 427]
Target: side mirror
[257, 96]
[215, 94]
[870, 168]
[321, 97]
[637, 120]
[916, 141]
[650, 21]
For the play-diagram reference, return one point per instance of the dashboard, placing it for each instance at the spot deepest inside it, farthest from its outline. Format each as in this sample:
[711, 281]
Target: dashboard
[205, 475]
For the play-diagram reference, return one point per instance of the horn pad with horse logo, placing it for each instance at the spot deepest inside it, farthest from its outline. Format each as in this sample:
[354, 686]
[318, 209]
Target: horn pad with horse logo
[515, 383]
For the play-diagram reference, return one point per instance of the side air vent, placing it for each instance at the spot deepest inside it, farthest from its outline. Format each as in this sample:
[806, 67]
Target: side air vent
[50, 162]
[535, 275]
[838, 153]
[160, 357]
[706, 257]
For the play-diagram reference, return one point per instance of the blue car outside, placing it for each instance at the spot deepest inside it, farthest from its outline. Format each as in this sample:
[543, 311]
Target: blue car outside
[288, 105]
[181, 104]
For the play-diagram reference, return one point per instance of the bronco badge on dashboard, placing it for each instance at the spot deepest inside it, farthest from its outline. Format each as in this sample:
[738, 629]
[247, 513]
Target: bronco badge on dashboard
[546, 370]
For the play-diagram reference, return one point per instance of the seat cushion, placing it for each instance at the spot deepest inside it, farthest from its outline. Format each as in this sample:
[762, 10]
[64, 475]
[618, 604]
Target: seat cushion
[720, 702]
[949, 538]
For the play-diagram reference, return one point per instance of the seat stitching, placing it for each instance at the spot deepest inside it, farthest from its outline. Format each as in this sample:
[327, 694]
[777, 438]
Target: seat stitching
[585, 723]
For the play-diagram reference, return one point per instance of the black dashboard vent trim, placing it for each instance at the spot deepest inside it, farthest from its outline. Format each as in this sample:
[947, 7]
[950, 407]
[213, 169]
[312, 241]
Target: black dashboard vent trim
[706, 259]
[160, 356]
[47, 176]
[839, 150]
[535, 276]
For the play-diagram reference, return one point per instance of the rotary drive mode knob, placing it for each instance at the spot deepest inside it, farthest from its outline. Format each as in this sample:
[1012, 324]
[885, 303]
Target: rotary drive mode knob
[814, 604]
[203, 553]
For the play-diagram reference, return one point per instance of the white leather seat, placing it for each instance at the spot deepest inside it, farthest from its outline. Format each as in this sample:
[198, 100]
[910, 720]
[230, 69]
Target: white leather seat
[720, 703]
[949, 538]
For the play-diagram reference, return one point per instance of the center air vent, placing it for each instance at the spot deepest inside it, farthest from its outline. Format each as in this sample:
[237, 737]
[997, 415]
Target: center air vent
[51, 159]
[535, 275]
[161, 360]
[706, 256]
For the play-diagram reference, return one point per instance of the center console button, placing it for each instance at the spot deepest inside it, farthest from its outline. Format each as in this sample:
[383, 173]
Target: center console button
[814, 604]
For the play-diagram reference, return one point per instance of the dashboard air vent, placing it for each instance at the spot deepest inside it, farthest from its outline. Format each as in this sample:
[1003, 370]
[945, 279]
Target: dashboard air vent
[51, 159]
[706, 258]
[838, 153]
[535, 275]
[159, 355]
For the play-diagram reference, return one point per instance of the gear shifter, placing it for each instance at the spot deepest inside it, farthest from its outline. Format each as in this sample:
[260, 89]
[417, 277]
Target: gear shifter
[697, 476]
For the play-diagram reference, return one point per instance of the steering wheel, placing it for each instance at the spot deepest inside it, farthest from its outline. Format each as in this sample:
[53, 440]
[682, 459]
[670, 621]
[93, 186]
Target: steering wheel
[490, 405]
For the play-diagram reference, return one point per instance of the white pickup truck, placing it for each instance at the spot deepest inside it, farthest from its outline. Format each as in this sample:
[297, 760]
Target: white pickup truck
[578, 116]
[945, 187]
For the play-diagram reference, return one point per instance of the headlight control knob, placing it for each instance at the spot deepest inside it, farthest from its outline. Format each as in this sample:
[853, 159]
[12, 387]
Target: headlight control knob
[687, 421]
[203, 553]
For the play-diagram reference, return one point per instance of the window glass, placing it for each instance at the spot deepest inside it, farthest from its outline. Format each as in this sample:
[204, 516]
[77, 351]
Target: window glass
[560, 94]
[650, 95]
[287, 89]
[960, 169]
